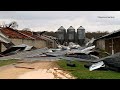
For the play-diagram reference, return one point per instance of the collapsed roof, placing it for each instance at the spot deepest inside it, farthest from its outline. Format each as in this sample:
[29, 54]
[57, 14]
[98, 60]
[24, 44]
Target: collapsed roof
[110, 35]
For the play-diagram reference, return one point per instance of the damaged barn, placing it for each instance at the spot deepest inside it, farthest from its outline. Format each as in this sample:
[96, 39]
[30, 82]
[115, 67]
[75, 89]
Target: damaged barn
[110, 42]
[18, 37]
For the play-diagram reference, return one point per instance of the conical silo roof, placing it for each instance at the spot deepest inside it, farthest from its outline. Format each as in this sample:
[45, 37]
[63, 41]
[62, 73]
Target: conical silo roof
[70, 28]
[61, 28]
[80, 27]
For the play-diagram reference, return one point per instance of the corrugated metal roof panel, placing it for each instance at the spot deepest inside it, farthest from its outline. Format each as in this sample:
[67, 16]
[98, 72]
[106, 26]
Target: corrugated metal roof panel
[30, 34]
[113, 34]
[13, 33]
[3, 38]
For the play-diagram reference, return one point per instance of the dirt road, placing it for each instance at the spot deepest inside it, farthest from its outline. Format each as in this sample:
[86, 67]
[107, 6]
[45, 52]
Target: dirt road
[34, 70]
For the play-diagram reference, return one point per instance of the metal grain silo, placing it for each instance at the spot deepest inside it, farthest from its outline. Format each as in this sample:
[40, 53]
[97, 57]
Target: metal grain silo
[71, 34]
[81, 35]
[61, 35]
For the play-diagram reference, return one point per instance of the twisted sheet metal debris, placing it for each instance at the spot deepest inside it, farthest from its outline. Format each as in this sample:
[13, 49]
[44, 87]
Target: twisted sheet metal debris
[111, 62]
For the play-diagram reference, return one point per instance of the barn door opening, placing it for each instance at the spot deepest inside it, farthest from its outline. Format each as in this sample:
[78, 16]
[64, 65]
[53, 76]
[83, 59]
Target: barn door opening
[116, 45]
[108, 46]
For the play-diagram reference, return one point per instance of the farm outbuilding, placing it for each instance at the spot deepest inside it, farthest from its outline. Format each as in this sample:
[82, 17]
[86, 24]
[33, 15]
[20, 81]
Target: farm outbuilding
[109, 42]
[25, 37]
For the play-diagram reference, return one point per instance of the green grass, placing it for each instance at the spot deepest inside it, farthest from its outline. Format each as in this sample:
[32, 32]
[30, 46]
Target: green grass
[7, 62]
[80, 72]
[103, 53]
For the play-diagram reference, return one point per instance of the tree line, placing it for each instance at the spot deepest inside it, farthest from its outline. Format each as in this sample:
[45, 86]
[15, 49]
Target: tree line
[14, 25]
[89, 35]
[96, 34]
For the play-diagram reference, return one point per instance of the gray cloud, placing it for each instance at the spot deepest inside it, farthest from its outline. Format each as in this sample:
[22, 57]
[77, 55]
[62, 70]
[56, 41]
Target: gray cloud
[52, 20]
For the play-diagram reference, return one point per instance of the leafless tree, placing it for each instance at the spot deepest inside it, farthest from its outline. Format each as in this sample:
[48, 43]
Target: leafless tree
[13, 25]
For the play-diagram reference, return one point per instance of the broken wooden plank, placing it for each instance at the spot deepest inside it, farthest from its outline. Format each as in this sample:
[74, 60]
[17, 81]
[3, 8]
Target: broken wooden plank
[24, 67]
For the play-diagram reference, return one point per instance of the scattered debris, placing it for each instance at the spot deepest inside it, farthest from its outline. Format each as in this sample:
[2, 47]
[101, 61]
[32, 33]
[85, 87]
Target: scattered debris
[107, 63]
[96, 66]
[87, 49]
[12, 50]
[82, 56]
[24, 67]
[71, 64]
[74, 46]
[26, 47]
[90, 43]
[15, 49]
[3, 38]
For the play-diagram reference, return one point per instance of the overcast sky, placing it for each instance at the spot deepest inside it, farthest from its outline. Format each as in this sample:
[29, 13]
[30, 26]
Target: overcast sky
[51, 20]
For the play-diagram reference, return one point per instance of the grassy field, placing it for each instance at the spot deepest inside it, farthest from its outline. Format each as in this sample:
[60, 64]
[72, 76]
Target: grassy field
[83, 73]
[6, 62]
